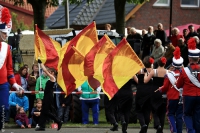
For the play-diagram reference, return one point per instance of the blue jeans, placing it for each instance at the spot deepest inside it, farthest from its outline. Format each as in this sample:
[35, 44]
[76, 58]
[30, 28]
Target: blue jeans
[86, 104]
[63, 113]
[19, 123]
[191, 116]
[175, 114]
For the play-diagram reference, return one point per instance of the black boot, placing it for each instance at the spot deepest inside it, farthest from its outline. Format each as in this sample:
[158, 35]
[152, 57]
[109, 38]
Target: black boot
[143, 129]
[115, 127]
[124, 127]
[59, 125]
[159, 129]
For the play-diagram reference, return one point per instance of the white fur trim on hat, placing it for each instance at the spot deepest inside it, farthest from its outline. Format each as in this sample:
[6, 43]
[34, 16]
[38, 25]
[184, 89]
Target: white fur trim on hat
[193, 53]
[177, 62]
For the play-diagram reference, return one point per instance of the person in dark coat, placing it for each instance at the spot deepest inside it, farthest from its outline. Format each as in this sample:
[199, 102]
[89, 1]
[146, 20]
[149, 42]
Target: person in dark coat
[135, 40]
[148, 41]
[184, 51]
[161, 34]
[191, 33]
[35, 113]
[48, 100]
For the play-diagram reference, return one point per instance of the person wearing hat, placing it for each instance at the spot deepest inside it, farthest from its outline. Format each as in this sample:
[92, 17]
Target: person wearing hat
[6, 67]
[189, 80]
[174, 94]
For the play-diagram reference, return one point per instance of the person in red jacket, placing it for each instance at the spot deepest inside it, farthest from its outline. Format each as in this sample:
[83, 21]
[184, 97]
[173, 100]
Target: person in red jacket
[20, 78]
[175, 36]
[6, 67]
[189, 80]
[174, 94]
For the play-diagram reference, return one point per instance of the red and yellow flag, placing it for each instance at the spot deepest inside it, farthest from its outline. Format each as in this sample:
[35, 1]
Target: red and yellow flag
[70, 75]
[89, 62]
[46, 49]
[67, 72]
[119, 66]
[101, 54]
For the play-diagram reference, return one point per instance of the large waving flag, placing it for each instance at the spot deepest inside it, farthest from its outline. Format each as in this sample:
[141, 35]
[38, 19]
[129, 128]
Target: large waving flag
[46, 49]
[103, 44]
[119, 67]
[102, 53]
[70, 74]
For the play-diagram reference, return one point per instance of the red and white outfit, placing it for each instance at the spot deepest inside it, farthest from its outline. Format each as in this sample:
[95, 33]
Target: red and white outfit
[189, 80]
[174, 94]
[6, 77]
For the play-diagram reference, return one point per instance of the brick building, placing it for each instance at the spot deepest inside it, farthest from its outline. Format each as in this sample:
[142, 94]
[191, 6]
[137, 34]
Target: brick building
[153, 12]
[139, 16]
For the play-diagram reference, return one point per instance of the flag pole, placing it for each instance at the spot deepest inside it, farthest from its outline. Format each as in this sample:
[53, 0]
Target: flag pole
[76, 50]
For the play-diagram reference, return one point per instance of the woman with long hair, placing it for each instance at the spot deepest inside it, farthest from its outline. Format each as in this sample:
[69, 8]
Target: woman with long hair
[157, 101]
[20, 78]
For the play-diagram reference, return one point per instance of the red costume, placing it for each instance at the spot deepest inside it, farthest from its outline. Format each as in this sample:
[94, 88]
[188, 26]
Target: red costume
[167, 87]
[6, 68]
[189, 81]
[174, 39]
[189, 89]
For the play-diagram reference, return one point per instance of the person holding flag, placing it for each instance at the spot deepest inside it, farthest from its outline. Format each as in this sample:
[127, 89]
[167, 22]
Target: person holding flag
[189, 80]
[174, 94]
[48, 100]
[6, 66]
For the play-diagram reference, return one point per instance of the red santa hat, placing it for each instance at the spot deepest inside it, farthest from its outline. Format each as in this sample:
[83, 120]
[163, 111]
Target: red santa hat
[192, 50]
[177, 60]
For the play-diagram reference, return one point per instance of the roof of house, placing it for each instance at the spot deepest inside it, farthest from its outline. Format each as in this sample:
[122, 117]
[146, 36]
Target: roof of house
[102, 11]
[28, 7]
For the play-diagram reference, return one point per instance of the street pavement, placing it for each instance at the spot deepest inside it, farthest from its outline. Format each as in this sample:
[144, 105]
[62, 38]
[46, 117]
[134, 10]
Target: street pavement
[80, 130]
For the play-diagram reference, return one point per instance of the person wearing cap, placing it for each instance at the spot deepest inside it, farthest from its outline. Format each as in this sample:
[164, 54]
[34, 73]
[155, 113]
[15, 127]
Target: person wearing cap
[189, 80]
[6, 66]
[174, 95]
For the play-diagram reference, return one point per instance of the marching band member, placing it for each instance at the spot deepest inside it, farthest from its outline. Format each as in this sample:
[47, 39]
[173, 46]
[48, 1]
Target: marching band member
[6, 66]
[174, 106]
[189, 80]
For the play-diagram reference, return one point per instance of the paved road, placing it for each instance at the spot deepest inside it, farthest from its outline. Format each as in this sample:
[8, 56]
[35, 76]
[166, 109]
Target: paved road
[78, 130]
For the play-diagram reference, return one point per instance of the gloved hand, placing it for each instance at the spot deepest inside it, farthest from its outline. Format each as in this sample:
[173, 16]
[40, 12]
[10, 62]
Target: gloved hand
[39, 61]
[17, 87]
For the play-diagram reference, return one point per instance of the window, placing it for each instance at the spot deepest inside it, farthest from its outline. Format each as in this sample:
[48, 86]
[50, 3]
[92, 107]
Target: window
[189, 3]
[161, 3]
